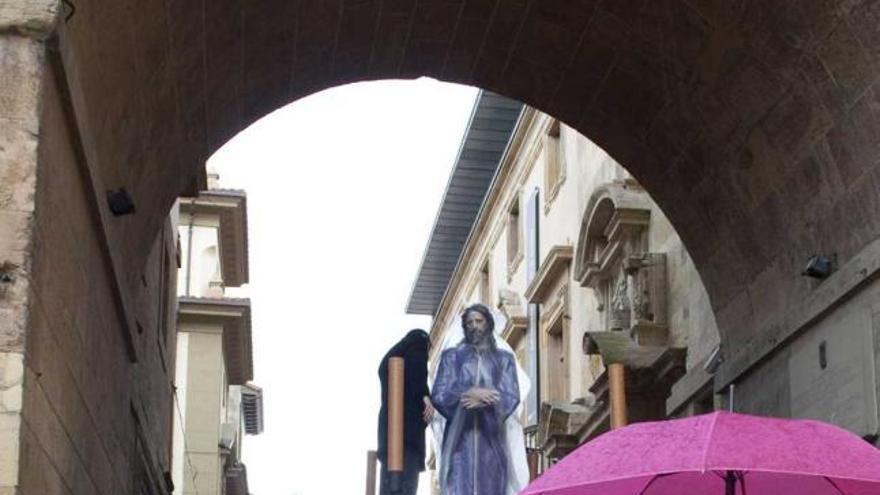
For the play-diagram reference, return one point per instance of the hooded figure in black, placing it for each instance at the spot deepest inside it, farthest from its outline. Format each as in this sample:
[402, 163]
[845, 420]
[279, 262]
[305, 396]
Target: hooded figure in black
[413, 348]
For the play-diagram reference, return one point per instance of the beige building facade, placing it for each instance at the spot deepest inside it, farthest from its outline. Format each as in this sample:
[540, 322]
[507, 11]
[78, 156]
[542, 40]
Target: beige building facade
[570, 249]
[543, 226]
[217, 404]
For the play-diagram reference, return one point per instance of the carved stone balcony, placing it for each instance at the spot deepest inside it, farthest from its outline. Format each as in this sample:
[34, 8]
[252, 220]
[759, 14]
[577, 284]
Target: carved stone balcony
[560, 423]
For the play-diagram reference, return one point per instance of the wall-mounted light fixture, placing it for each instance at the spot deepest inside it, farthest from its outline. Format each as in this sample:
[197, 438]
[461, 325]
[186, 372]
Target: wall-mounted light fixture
[819, 266]
[120, 202]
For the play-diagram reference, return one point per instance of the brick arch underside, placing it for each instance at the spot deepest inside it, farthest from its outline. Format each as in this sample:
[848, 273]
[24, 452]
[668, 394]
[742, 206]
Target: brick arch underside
[755, 125]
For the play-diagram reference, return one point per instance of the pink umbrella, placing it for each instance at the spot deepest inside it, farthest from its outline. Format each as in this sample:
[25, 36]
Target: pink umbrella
[718, 453]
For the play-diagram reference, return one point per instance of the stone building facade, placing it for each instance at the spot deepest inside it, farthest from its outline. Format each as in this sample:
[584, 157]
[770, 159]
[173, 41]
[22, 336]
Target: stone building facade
[569, 247]
[88, 348]
[216, 403]
[588, 271]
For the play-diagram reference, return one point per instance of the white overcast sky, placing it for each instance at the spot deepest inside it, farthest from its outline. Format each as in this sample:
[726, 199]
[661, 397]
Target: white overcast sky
[343, 187]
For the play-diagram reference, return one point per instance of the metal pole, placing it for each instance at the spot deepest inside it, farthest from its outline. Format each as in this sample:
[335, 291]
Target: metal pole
[395, 422]
[371, 472]
[731, 398]
[189, 250]
[617, 386]
[729, 483]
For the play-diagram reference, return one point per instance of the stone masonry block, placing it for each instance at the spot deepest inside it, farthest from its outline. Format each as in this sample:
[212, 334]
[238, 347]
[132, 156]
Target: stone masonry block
[11, 380]
[15, 230]
[29, 17]
[21, 61]
[9, 443]
[14, 280]
[21, 66]
[18, 151]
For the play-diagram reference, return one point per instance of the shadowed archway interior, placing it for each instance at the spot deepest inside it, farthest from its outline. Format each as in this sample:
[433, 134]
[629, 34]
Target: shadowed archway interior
[755, 125]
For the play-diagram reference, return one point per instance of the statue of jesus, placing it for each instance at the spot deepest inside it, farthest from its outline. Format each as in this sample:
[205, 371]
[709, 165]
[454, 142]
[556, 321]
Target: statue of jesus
[476, 391]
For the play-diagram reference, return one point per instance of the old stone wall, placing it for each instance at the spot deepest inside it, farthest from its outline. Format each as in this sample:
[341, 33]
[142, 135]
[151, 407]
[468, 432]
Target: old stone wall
[754, 125]
[20, 65]
[97, 406]
[828, 371]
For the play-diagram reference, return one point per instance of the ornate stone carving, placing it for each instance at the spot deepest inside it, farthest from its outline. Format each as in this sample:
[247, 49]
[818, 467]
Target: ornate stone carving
[621, 308]
[510, 303]
[648, 319]
[560, 423]
[613, 260]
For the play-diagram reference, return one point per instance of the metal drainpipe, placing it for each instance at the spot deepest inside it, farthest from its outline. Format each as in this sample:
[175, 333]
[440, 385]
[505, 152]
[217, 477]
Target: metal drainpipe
[189, 250]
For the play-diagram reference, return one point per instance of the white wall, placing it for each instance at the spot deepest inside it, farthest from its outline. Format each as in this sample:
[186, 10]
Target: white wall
[200, 259]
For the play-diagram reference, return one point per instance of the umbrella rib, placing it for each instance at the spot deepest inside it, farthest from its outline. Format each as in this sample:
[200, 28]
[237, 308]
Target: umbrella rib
[832, 483]
[655, 478]
[709, 441]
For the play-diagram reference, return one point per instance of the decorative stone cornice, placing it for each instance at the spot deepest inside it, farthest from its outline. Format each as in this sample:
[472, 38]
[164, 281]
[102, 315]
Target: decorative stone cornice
[650, 374]
[555, 308]
[514, 330]
[560, 422]
[234, 317]
[555, 265]
[616, 347]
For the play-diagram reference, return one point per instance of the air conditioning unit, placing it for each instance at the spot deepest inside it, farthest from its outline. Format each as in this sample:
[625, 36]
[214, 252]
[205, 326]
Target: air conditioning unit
[228, 433]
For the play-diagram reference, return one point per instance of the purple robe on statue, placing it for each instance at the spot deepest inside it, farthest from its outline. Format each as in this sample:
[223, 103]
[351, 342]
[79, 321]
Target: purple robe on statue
[474, 453]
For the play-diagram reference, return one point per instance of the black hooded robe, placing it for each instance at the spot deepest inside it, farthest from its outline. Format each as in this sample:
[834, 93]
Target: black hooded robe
[413, 348]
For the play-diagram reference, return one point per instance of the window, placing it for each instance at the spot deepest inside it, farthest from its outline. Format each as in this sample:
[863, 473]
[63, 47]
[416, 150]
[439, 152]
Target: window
[514, 246]
[554, 368]
[554, 166]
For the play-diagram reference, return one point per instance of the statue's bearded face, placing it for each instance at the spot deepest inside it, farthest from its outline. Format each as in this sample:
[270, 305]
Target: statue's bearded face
[476, 328]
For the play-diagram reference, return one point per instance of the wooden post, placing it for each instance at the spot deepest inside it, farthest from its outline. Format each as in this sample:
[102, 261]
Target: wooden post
[395, 420]
[532, 459]
[617, 386]
[371, 472]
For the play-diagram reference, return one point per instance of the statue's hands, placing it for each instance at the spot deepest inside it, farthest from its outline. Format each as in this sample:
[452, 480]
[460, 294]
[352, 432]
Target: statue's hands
[479, 397]
[428, 413]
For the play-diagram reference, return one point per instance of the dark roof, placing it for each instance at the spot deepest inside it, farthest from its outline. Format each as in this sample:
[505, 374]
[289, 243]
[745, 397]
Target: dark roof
[485, 140]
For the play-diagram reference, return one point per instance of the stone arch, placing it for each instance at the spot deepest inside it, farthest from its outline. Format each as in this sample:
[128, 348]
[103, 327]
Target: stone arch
[753, 125]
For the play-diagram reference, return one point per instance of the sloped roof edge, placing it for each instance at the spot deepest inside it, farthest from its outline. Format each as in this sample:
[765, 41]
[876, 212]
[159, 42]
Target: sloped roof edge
[479, 157]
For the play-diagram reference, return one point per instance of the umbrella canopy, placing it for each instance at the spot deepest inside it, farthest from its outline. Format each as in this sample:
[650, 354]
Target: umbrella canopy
[720, 453]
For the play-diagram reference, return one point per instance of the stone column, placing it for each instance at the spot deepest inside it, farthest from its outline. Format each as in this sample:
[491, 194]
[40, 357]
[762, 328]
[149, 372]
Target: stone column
[24, 25]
